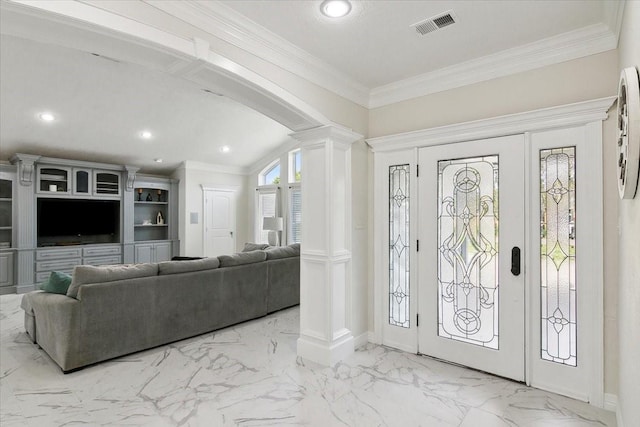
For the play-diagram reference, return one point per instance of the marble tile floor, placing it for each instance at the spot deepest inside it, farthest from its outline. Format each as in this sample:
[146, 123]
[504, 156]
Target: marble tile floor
[249, 375]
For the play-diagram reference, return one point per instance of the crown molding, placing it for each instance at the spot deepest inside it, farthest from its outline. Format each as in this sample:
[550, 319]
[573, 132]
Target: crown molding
[576, 114]
[575, 44]
[226, 24]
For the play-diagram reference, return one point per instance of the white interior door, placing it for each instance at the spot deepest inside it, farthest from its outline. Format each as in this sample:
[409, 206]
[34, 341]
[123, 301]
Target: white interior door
[219, 222]
[471, 224]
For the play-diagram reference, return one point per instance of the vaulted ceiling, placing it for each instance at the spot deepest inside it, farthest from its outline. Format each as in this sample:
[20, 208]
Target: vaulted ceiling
[372, 57]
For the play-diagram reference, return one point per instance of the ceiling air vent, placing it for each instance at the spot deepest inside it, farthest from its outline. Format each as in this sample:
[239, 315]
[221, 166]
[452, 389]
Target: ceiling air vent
[435, 23]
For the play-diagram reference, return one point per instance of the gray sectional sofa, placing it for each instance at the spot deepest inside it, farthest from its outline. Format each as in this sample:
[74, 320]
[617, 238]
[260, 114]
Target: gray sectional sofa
[111, 311]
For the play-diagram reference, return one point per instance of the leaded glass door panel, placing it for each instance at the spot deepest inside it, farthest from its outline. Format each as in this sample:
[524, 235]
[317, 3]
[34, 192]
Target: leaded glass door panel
[396, 214]
[471, 221]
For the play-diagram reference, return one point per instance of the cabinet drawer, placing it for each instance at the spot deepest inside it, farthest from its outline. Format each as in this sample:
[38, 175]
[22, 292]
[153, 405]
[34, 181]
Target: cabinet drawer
[102, 251]
[45, 254]
[104, 260]
[58, 265]
[44, 276]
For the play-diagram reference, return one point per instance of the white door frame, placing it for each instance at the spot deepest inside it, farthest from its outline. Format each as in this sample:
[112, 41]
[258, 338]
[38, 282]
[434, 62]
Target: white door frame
[205, 218]
[588, 115]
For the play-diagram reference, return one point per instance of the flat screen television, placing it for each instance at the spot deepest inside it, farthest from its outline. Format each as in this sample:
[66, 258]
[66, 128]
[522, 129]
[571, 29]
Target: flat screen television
[78, 221]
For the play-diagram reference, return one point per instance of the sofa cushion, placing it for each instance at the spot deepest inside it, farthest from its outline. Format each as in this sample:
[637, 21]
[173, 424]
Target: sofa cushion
[84, 274]
[58, 283]
[175, 267]
[283, 251]
[248, 247]
[242, 258]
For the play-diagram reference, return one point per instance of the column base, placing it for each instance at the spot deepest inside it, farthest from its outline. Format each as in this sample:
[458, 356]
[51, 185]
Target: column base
[324, 352]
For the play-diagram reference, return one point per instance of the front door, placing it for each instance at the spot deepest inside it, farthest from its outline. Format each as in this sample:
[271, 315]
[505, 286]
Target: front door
[471, 231]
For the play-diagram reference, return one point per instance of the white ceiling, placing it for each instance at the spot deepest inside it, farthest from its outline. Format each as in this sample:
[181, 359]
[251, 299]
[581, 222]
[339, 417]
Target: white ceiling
[103, 104]
[375, 46]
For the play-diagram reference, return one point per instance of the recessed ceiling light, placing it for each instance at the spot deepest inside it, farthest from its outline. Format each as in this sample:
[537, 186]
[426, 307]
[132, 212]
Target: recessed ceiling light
[46, 117]
[145, 134]
[157, 160]
[335, 8]
[225, 149]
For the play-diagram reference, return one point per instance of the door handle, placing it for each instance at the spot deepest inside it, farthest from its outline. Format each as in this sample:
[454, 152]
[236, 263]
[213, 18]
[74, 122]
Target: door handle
[515, 261]
[231, 233]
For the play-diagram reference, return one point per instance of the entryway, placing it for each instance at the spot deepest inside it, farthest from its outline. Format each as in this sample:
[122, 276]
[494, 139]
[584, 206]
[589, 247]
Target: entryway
[488, 251]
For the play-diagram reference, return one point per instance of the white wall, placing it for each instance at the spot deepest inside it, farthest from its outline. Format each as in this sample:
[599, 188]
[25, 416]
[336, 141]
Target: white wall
[629, 260]
[583, 79]
[193, 176]
[572, 81]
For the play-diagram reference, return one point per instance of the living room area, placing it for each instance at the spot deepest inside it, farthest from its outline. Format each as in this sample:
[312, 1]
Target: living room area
[319, 211]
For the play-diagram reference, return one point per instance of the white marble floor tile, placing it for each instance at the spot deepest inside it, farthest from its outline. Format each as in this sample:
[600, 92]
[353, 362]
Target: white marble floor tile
[250, 375]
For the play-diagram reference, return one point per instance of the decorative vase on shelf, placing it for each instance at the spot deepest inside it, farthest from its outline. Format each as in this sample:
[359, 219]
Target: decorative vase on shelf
[149, 198]
[159, 218]
[159, 195]
[139, 194]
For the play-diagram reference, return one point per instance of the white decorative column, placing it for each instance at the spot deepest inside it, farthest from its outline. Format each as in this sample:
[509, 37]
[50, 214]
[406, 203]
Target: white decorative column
[25, 213]
[325, 258]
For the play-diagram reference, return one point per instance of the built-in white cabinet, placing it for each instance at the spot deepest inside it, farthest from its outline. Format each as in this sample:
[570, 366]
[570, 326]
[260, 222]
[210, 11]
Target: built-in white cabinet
[82, 180]
[54, 179]
[106, 183]
[154, 219]
[7, 230]
[56, 214]
[152, 252]
[6, 210]
[7, 282]
[78, 181]
[64, 259]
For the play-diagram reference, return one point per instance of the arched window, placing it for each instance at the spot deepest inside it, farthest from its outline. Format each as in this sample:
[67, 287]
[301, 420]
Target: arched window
[270, 175]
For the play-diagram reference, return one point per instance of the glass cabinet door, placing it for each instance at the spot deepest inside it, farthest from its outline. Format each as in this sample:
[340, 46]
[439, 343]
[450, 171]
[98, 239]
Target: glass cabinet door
[81, 181]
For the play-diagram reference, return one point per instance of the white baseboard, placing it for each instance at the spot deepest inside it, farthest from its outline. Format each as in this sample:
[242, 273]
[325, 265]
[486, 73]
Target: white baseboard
[619, 416]
[371, 337]
[361, 340]
[610, 402]
[23, 289]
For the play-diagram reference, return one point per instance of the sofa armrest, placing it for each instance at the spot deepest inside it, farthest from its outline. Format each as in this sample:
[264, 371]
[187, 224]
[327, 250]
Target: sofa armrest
[55, 324]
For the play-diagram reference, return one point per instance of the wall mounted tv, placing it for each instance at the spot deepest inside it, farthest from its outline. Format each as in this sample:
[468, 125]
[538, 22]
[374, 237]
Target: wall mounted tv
[78, 221]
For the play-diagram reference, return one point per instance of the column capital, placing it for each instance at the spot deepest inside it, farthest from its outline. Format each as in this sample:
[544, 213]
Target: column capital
[333, 132]
[26, 163]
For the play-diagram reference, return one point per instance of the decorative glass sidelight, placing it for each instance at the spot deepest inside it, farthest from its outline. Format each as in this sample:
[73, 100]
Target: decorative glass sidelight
[468, 247]
[558, 255]
[399, 253]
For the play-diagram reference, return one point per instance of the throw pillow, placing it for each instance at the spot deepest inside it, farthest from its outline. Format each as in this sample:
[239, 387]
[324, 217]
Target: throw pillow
[58, 283]
[248, 247]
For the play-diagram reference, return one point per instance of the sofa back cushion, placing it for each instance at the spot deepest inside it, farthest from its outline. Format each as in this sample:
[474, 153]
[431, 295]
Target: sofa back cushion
[248, 247]
[283, 251]
[242, 258]
[85, 274]
[175, 267]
